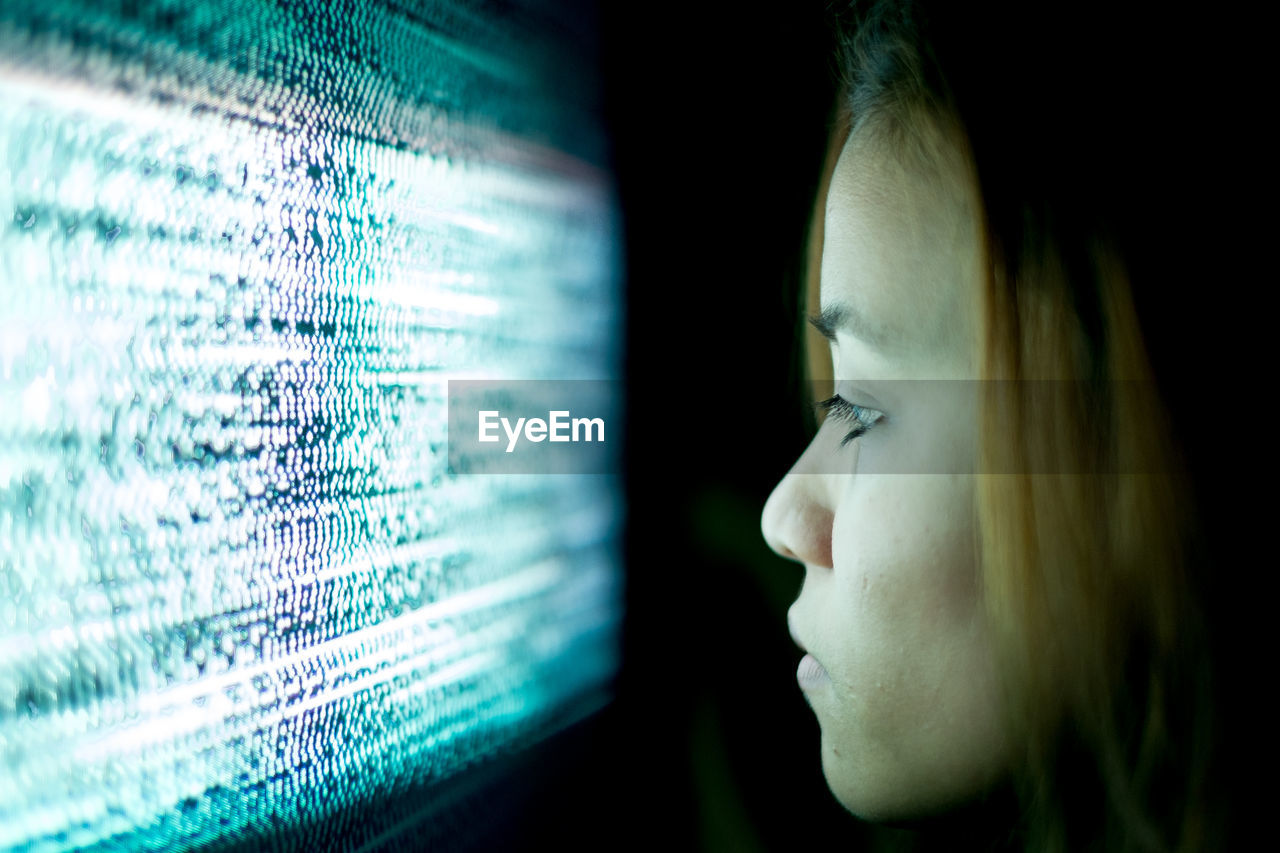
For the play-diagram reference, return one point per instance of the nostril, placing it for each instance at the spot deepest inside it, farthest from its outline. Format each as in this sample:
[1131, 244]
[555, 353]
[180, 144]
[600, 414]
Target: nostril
[782, 550]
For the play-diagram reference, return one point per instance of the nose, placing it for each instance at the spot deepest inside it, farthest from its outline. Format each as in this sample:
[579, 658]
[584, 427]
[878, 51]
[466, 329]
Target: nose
[798, 516]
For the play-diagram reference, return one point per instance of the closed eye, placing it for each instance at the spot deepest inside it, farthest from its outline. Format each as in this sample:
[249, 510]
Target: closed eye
[858, 418]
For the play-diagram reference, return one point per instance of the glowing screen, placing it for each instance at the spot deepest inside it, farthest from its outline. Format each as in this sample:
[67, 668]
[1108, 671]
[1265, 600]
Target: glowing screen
[244, 245]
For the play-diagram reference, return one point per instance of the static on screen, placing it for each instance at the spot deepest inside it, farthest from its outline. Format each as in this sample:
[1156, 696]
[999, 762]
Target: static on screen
[243, 248]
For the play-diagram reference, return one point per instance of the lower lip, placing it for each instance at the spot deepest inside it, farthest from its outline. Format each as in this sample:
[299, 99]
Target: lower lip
[810, 673]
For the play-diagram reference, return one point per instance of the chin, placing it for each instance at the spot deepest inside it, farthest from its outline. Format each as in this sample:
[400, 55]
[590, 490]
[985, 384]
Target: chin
[888, 797]
[863, 792]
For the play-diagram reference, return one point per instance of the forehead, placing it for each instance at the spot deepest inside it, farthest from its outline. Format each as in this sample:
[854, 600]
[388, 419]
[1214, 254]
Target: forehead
[901, 249]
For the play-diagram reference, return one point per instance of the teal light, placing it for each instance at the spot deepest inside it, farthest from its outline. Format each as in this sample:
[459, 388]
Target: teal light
[243, 248]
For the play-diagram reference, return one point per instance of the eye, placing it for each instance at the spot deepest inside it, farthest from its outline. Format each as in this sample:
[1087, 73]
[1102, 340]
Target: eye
[858, 418]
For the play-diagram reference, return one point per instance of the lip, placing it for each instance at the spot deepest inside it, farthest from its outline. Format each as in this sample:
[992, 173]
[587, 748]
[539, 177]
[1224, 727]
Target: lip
[795, 635]
[810, 674]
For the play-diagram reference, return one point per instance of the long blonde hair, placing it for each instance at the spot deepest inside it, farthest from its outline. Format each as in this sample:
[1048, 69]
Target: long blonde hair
[1087, 574]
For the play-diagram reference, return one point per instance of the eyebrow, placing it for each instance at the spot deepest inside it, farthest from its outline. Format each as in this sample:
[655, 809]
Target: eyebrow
[841, 316]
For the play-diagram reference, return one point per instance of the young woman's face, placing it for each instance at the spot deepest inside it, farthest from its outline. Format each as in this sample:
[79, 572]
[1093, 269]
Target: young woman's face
[898, 669]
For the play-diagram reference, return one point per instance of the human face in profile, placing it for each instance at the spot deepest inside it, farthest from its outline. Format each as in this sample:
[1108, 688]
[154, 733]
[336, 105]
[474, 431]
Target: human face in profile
[898, 663]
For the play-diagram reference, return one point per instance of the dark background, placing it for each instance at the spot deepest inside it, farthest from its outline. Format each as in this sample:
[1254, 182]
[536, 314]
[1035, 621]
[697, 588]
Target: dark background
[719, 125]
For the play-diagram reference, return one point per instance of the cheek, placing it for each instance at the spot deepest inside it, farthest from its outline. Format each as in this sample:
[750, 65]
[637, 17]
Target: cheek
[903, 603]
[904, 545]
[912, 721]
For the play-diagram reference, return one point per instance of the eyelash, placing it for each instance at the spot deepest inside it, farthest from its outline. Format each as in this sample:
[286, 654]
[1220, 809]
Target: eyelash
[860, 417]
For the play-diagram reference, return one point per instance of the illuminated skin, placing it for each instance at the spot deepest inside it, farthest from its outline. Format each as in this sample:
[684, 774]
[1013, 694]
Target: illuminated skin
[908, 703]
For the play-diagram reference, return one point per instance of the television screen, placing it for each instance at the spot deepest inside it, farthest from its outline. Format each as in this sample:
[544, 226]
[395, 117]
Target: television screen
[247, 592]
